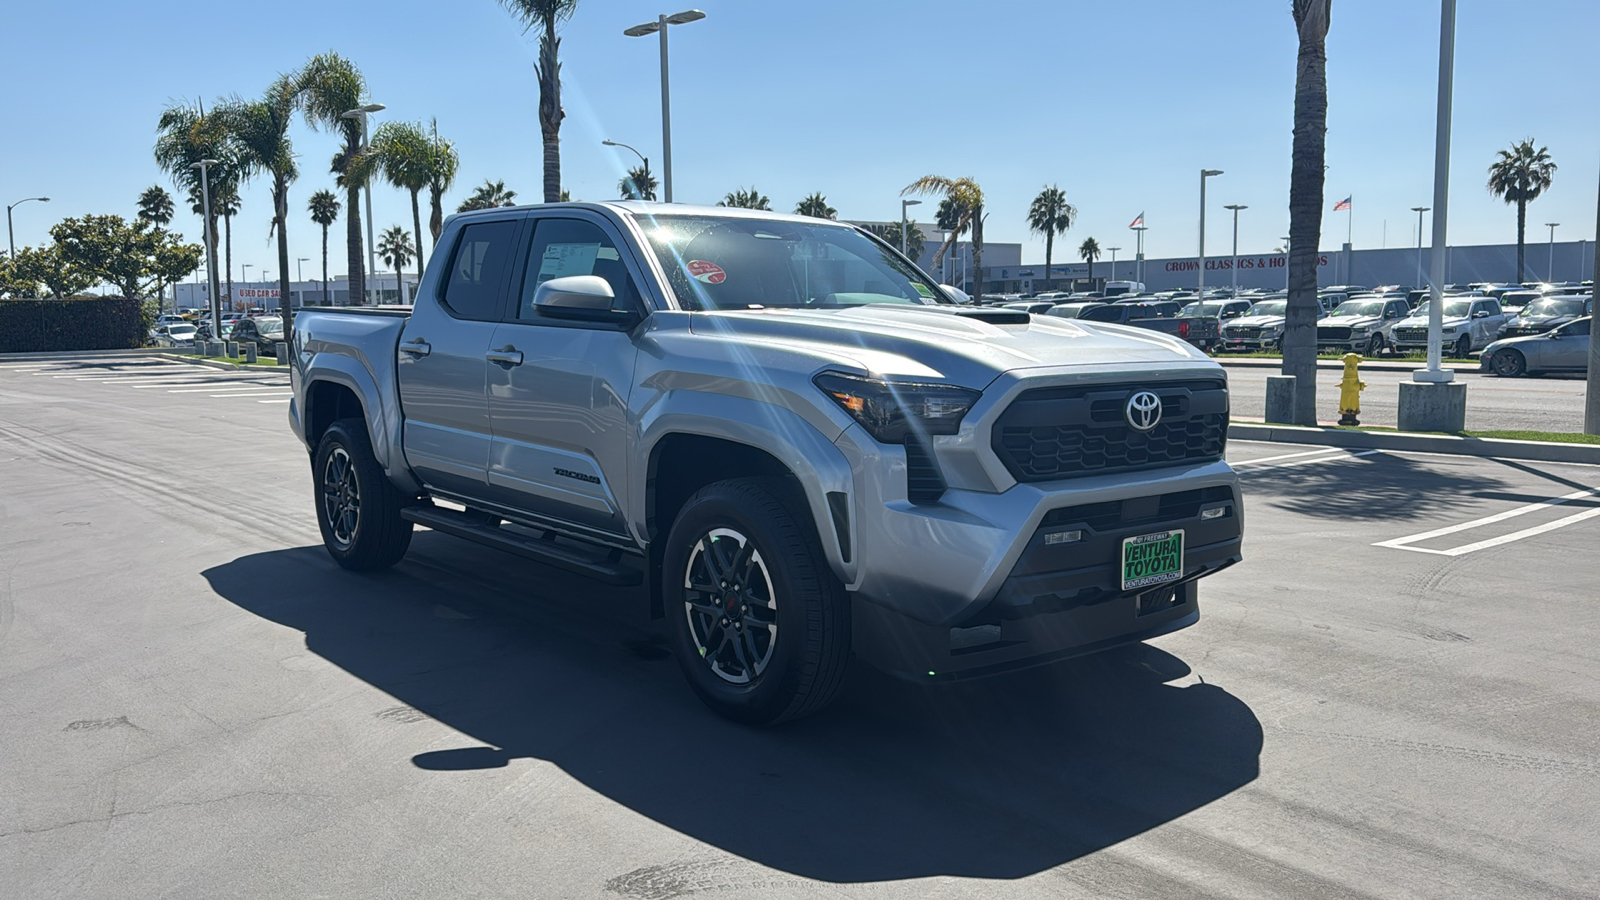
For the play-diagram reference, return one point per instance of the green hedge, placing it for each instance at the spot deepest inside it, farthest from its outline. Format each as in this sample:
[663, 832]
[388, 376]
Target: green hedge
[91, 323]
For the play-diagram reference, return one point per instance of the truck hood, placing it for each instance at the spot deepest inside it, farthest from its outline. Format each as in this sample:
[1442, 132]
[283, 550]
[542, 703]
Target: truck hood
[1255, 322]
[1422, 322]
[1350, 321]
[938, 344]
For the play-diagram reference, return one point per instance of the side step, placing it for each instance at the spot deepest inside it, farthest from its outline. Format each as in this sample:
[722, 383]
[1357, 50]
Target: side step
[603, 564]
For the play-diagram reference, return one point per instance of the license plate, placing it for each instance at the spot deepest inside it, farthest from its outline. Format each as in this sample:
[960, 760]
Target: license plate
[1152, 559]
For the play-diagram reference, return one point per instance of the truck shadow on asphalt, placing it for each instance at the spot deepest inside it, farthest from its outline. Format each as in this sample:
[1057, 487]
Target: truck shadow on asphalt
[1383, 486]
[999, 778]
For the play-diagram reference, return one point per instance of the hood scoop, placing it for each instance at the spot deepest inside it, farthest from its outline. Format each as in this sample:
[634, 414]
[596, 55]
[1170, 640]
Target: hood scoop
[992, 315]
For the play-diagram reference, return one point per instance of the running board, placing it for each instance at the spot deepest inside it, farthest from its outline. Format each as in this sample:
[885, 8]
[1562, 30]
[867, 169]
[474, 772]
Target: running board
[603, 564]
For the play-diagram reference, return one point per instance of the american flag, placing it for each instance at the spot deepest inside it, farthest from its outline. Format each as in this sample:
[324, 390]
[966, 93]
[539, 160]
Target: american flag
[1137, 221]
[1344, 204]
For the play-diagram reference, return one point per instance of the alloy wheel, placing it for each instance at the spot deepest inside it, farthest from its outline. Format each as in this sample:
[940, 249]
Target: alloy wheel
[341, 497]
[731, 605]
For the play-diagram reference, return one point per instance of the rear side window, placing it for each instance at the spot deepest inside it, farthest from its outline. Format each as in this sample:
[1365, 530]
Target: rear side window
[478, 270]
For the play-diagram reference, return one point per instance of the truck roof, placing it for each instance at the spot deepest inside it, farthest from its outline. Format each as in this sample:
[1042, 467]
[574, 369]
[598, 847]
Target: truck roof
[646, 209]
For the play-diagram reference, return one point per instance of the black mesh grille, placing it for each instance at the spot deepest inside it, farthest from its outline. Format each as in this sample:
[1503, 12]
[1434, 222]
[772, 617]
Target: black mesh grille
[1333, 333]
[924, 481]
[1067, 432]
[1411, 335]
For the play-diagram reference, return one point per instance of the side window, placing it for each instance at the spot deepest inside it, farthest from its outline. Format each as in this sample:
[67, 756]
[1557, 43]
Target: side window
[1493, 306]
[1396, 310]
[478, 270]
[566, 247]
[1579, 327]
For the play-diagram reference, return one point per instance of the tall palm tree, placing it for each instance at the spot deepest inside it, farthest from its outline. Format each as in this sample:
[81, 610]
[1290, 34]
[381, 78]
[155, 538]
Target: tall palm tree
[638, 184]
[965, 200]
[324, 208]
[331, 86]
[816, 206]
[1089, 251]
[1050, 215]
[489, 195]
[155, 206]
[746, 199]
[443, 162]
[916, 241]
[185, 135]
[403, 152]
[260, 130]
[396, 249]
[1305, 203]
[546, 15]
[1519, 176]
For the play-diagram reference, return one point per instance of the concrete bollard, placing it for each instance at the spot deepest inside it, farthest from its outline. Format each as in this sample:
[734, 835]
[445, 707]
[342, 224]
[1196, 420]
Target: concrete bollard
[1280, 400]
[213, 348]
[250, 352]
[1433, 407]
[281, 351]
[233, 349]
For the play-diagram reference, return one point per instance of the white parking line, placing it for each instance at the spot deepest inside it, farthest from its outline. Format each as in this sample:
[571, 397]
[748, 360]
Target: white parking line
[233, 386]
[1252, 462]
[255, 394]
[1404, 542]
[284, 400]
[1311, 462]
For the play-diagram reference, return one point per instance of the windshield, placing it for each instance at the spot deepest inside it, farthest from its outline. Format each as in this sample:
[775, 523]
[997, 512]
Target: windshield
[1268, 308]
[1560, 306]
[181, 329]
[1360, 308]
[1202, 309]
[269, 325]
[1452, 308]
[737, 263]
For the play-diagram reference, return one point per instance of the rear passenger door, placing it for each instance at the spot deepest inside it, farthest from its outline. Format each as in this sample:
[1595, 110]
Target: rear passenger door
[442, 368]
[558, 397]
[1486, 326]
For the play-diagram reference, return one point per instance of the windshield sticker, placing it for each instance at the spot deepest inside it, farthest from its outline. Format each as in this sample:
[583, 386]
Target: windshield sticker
[706, 272]
[922, 289]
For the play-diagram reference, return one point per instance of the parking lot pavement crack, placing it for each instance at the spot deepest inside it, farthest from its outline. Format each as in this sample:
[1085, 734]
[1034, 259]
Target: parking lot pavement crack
[181, 804]
[1498, 758]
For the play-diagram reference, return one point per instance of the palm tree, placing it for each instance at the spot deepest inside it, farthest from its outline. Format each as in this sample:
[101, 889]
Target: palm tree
[816, 206]
[638, 184]
[324, 208]
[1519, 176]
[404, 153]
[745, 199]
[155, 206]
[260, 130]
[443, 161]
[1310, 147]
[185, 135]
[965, 209]
[1089, 251]
[916, 241]
[396, 249]
[331, 86]
[489, 195]
[546, 15]
[1050, 215]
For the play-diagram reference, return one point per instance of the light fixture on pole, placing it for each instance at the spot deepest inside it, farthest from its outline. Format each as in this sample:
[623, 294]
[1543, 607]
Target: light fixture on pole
[903, 227]
[1204, 174]
[642, 159]
[361, 112]
[10, 238]
[244, 270]
[215, 303]
[660, 25]
[1113, 263]
[1552, 271]
[1236, 207]
[1419, 210]
[300, 268]
[1435, 373]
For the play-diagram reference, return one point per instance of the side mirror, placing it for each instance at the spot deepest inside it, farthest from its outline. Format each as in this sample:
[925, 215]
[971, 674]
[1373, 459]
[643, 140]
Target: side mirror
[583, 298]
[1481, 314]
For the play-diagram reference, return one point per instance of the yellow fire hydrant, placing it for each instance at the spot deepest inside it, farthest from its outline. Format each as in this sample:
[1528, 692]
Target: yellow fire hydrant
[1350, 388]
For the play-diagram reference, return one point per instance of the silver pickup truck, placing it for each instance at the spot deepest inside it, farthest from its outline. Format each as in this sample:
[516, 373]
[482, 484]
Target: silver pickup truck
[783, 430]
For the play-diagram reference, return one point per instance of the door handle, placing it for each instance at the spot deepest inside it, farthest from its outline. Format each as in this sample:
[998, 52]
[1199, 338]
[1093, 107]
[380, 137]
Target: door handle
[506, 356]
[416, 347]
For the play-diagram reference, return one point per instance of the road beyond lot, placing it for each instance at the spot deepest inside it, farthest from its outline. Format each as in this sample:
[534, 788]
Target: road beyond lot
[200, 704]
[1545, 403]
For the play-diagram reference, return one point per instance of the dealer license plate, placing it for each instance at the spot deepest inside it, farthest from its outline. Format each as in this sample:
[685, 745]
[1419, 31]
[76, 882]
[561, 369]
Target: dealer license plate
[1152, 559]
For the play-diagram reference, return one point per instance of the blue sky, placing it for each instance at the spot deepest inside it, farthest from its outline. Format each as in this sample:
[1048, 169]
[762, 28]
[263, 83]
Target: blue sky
[1119, 103]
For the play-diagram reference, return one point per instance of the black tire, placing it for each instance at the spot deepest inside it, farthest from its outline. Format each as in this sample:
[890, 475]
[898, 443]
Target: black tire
[370, 535]
[796, 610]
[1463, 346]
[1375, 345]
[1510, 363]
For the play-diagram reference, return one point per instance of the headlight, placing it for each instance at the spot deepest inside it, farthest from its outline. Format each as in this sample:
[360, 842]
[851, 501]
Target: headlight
[889, 410]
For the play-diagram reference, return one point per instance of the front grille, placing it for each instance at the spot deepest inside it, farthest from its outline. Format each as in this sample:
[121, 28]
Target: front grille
[1051, 433]
[1130, 513]
[1243, 334]
[1333, 333]
[1411, 335]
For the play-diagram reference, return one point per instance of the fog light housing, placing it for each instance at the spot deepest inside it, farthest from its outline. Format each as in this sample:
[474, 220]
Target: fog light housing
[1062, 537]
[1215, 512]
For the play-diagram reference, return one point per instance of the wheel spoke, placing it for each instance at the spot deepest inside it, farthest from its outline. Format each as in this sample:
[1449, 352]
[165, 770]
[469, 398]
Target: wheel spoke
[705, 605]
[744, 661]
[748, 637]
[715, 637]
[739, 568]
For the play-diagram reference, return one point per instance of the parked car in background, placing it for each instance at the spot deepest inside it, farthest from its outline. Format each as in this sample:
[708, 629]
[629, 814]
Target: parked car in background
[1034, 307]
[1361, 326]
[1155, 315]
[1260, 328]
[1542, 315]
[1217, 309]
[1564, 348]
[265, 332]
[1470, 323]
[1119, 288]
[174, 334]
[1514, 301]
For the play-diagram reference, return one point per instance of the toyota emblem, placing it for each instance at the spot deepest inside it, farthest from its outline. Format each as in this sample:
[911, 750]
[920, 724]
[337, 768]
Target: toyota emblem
[1143, 411]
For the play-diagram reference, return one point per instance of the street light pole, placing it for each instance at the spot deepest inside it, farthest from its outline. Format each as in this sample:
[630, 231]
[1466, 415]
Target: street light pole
[204, 166]
[643, 160]
[1235, 207]
[1139, 231]
[903, 244]
[1286, 262]
[361, 112]
[1113, 263]
[1435, 373]
[1419, 210]
[660, 25]
[11, 238]
[1204, 174]
[1552, 226]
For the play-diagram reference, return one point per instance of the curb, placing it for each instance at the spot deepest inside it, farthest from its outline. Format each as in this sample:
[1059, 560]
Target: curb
[1496, 448]
[68, 354]
[215, 363]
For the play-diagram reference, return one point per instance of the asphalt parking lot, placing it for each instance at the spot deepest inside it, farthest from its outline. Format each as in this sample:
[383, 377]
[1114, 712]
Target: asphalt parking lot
[1394, 696]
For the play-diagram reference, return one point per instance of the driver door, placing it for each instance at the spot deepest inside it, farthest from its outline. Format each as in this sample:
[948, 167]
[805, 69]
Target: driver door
[1571, 349]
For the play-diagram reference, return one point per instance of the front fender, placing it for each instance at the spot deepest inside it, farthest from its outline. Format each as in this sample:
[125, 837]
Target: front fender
[819, 465]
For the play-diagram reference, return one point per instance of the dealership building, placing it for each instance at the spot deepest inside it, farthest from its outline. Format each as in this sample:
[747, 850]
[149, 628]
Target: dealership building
[264, 294]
